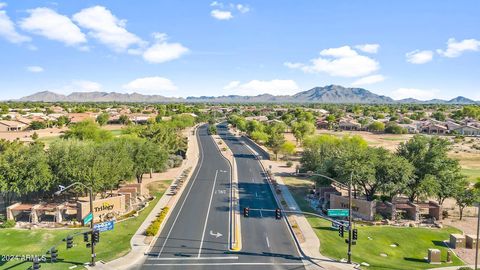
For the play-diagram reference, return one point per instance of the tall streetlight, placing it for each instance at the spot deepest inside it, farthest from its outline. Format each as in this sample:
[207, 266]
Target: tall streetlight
[62, 189]
[349, 188]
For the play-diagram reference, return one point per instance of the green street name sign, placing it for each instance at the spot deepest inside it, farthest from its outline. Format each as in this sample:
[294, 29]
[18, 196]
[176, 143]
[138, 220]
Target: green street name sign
[88, 218]
[337, 212]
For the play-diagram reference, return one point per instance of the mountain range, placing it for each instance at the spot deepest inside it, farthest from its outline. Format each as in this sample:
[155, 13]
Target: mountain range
[326, 94]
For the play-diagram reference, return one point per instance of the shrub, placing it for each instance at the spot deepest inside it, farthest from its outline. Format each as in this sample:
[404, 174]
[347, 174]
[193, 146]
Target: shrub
[378, 217]
[464, 268]
[289, 164]
[8, 224]
[153, 229]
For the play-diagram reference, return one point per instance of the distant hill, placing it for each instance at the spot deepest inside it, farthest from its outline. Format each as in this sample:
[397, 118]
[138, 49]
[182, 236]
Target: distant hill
[326, 94]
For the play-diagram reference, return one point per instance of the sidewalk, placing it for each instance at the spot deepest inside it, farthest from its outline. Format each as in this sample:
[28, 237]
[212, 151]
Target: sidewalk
[139, 243]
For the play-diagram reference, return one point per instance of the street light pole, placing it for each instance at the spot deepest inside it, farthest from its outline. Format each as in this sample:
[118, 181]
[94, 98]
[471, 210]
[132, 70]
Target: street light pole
[478, 232]
[91, 227]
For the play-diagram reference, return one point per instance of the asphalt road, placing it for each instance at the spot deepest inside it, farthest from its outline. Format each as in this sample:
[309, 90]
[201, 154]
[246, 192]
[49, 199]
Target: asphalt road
[196, 235]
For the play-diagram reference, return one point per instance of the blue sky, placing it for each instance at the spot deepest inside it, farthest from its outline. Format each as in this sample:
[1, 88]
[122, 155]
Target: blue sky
[422, 49]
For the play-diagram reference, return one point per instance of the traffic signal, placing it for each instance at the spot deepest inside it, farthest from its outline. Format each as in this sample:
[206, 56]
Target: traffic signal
[246, 211]
[278, 213]
[69, 241]
[355, 234]
[53, 255]
[340, 230]
[95, 236]
[36, 263]
[85, 237]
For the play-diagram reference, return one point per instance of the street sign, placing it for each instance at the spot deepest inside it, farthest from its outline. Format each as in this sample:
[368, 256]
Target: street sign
[88, 218]
[104, 226]
[337, 212]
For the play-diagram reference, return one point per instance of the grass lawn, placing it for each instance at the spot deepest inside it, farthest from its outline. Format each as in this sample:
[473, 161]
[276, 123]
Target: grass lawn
[412, 243]
[472, 174]
[116, 132]
[113, 244]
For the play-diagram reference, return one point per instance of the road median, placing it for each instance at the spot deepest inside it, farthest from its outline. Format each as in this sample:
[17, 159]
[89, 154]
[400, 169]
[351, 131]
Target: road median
[235, 224]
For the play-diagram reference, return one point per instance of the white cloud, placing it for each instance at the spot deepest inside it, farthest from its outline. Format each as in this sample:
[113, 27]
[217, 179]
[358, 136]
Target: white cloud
[48, 23]
[107, 28]
[2, 4]
[7, 28]
[242, 8]
[456, 48]
[368, 48]
[163, 51]
[257, 87]
[341, 62]
[369, 80]
[420, 94]
[35, 69]
[419, 57]
[150, 85]
[221, 14]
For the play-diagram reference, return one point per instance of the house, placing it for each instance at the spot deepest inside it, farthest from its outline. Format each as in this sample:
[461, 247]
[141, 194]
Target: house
[468, 130]
[433, 128]
[322, 124]
[79, 117]
[411, 128]
[349, 124]
[6, 126]
[260, 118]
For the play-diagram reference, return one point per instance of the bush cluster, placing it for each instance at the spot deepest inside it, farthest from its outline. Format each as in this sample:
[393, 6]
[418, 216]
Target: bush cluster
[153, 229]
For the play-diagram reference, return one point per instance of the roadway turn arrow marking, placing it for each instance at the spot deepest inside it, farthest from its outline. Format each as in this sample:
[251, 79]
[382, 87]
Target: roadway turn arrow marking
[217, 235]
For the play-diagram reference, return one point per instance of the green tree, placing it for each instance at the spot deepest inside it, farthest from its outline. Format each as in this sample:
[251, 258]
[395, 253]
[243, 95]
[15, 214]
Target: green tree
[212, 130]
[146, 156]
[62, 121]
[123, 119]
[288, 149]
[440, 116]
[394, 128]
[465, 197]
[429, 156]
[102, 119]
[259, 136]
[24, 169]
[87, 130]
[275, 142]
[36, 125]
[376, 126]
[302, 129]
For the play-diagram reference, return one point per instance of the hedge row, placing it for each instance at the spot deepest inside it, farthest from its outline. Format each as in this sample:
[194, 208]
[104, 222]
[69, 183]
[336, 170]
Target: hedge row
[153, 229]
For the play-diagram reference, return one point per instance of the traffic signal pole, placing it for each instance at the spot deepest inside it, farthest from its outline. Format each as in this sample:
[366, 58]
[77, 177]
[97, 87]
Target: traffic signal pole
[349, 254]
[91, 227]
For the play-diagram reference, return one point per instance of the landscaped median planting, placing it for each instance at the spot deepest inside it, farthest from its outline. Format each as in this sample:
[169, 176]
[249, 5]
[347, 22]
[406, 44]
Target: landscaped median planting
[153, 229]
